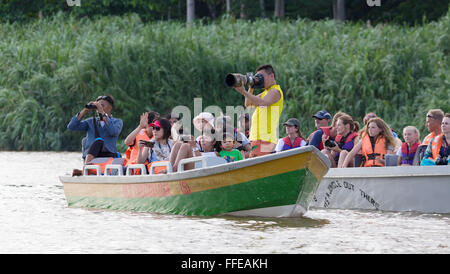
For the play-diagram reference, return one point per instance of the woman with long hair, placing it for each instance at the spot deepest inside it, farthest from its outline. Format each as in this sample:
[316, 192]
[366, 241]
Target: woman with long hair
[159, 148]
[376, 141]
[347, 136]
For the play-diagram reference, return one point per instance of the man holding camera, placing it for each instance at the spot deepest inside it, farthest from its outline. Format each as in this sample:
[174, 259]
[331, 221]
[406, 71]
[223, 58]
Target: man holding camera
[102, 131]
[269, 106]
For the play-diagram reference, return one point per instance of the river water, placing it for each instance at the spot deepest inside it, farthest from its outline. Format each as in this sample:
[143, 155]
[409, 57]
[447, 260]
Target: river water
[34, 218]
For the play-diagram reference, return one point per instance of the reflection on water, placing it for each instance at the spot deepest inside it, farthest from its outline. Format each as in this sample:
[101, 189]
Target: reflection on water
[34, 218]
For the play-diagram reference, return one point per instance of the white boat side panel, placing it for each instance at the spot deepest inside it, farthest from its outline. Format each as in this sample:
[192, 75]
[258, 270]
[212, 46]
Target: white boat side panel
[418, 189]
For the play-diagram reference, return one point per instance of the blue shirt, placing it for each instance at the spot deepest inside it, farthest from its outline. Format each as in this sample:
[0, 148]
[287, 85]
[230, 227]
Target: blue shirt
[316, 139]
[109, 132]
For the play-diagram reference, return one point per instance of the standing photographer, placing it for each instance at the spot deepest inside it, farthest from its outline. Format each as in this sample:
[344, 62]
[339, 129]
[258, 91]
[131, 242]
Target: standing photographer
[102, 131]
[269, 106]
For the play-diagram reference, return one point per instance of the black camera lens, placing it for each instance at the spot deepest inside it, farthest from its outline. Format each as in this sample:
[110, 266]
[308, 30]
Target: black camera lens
[90, 106]
[330, 143]
[441, 161]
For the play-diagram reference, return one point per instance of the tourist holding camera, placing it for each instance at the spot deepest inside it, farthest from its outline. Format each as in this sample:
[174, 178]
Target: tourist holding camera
[102, 129]
[269, 106]
[142, 132]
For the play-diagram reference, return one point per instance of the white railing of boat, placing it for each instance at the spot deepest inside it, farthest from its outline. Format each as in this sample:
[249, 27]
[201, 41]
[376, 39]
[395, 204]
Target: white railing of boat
[91, 167]
[134, 167]
[117, 170]
[110, 168]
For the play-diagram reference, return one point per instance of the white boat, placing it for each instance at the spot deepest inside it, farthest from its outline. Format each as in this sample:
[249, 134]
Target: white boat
[423, 189]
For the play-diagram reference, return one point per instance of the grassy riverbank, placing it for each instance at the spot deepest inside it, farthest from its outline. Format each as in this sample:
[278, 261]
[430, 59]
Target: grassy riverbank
[50, 68]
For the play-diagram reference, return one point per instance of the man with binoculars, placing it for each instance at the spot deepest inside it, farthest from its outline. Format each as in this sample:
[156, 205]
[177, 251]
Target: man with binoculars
[269, 105]
[102, 131]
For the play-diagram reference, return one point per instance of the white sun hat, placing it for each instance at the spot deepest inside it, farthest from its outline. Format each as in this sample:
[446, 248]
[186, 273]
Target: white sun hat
[197, 121]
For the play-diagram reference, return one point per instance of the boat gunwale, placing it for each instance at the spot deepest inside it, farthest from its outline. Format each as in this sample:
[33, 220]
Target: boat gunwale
[196, 173]
[387, 172]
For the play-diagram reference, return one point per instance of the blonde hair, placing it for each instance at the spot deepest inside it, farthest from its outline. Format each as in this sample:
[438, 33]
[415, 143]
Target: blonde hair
[413, 128]
[385, 130]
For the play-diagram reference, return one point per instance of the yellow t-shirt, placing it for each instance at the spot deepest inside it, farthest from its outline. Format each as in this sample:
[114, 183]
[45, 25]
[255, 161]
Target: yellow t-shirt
[265, 119]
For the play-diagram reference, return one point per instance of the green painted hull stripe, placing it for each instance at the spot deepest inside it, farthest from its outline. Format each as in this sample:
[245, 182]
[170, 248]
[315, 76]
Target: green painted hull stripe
[278, 190]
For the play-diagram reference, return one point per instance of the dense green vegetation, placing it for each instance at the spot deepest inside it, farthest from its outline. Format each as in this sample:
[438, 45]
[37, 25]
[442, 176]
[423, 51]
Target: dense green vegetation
[50, 68]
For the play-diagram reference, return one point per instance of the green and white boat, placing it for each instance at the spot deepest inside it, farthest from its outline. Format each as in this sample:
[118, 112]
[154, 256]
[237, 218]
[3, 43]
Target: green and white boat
[276, 185]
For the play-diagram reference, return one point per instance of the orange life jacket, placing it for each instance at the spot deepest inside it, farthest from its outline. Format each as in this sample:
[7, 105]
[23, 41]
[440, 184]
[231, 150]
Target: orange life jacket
[132, 152]
[436, 145]
[102, 166]
[370, 153]
[157, 169]
[428, 139]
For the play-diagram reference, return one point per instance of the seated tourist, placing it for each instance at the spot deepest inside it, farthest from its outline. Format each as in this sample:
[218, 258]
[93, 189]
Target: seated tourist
[438, 149]
[294, 137]
[408, 149]
[376, 141]
[184, 149]
[433, 123]
[143, 132]
[102, 131]
[173, 118]
[321, 119]
[160, 147]
[228, 152]
[223, 125]
[244, 124]
[325, 132]
[347, 135]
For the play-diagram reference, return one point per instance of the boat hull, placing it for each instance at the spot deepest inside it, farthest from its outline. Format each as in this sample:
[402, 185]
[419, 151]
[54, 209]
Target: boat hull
[413, 188]
[282, 183]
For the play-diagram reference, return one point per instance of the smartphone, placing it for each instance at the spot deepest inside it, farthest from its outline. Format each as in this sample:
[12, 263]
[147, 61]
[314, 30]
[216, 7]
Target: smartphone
[147, 143]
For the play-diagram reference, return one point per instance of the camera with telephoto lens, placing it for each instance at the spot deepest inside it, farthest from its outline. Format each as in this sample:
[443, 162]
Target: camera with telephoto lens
[441, 161]
[90, 106]
[238, 80]
[330, 143]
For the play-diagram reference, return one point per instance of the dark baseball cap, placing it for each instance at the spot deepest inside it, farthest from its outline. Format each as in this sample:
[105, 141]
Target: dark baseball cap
[323, 114]
[292, 122]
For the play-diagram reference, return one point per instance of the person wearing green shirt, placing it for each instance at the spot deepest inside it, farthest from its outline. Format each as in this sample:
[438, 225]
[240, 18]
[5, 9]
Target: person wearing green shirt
[228, 151]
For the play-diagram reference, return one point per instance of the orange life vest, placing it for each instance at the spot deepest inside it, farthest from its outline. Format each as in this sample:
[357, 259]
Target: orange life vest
[436, 145]
[132, 152]
[370, 153]
[157, 169]
[428, 139]
[102, 166]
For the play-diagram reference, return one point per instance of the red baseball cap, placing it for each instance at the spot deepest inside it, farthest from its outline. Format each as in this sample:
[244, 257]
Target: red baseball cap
[155, 124]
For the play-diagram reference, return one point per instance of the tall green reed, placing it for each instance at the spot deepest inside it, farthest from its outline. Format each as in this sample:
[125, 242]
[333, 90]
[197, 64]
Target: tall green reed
[50, 68]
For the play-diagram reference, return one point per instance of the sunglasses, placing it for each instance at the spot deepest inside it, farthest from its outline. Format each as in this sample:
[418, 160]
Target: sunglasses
[156, 128]
[429, 116]
[106, 98]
